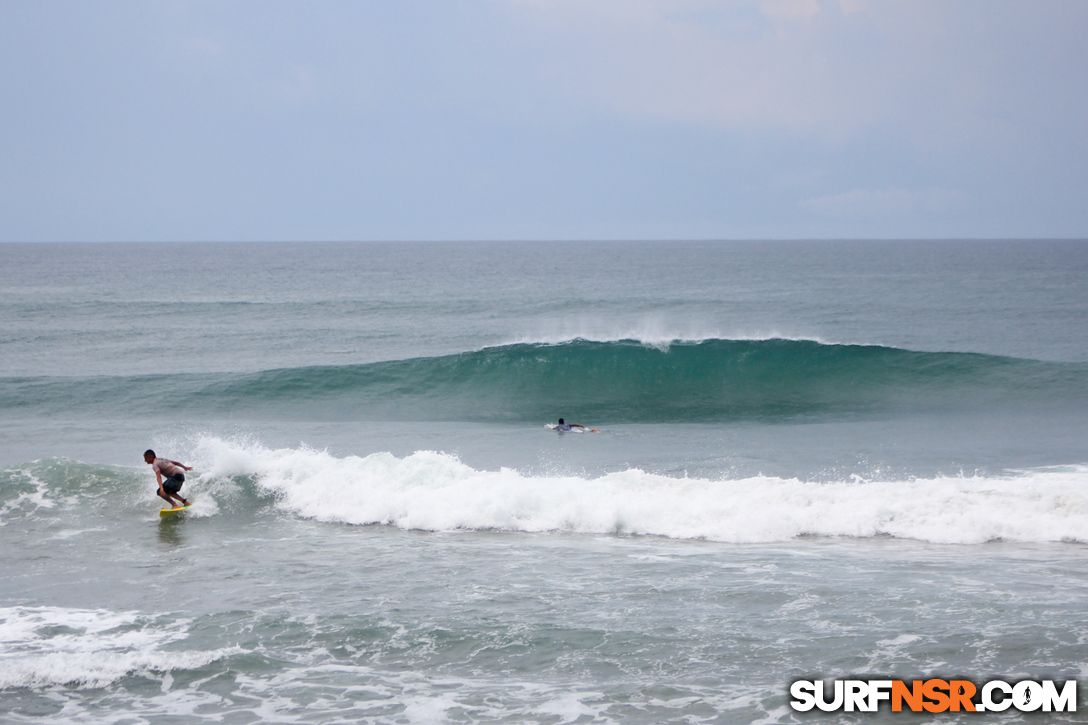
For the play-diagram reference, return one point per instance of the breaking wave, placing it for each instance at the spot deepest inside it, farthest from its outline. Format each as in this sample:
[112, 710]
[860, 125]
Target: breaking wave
[432, 491]
[616, 381]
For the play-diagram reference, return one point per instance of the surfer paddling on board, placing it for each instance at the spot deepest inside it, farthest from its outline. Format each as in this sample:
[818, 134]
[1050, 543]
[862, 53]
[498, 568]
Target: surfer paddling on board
[571, 426]
[168, 489]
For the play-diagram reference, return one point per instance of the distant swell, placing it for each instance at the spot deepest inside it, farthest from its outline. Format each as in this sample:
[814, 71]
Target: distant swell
[620, 381]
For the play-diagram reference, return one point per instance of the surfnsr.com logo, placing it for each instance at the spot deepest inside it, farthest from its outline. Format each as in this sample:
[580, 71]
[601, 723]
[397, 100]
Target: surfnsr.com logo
[935, 696]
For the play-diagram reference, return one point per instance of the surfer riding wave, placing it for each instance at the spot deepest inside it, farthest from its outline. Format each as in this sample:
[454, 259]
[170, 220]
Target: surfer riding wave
[168, 488]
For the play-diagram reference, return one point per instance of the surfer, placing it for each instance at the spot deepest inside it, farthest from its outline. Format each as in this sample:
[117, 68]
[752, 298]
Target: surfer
[568, 426]
[168, 489]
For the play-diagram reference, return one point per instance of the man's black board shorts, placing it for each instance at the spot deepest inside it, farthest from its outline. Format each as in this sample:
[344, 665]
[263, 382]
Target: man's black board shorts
[173, 484]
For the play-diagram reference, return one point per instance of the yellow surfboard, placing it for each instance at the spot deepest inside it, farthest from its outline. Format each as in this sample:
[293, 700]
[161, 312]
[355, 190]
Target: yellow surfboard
[167, 512]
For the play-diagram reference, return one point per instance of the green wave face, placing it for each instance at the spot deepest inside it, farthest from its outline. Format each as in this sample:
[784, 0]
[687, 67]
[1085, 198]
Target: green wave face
[628, 381]
[594, 382]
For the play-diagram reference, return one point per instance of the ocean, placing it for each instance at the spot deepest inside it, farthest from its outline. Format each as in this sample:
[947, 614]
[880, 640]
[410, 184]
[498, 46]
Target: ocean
[814, 460]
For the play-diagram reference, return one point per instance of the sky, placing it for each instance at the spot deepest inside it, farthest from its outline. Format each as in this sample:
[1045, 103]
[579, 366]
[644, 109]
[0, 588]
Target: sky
[265, 120]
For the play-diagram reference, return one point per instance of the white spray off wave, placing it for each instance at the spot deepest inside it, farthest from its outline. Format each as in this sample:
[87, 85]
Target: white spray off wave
[660, 336]
[437, 492]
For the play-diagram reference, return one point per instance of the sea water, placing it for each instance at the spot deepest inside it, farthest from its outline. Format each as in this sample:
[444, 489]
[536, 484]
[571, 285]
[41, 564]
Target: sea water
[814, 460]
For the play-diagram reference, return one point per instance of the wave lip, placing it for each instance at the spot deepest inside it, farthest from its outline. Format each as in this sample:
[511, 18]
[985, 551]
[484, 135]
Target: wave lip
[610, 382]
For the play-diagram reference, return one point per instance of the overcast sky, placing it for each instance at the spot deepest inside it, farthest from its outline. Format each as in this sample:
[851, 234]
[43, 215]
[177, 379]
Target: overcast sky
[543, 119]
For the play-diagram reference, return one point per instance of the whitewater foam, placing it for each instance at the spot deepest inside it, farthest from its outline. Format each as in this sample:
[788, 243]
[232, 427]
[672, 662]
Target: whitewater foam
[27, 499]
[89, 648]
[434, 491]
